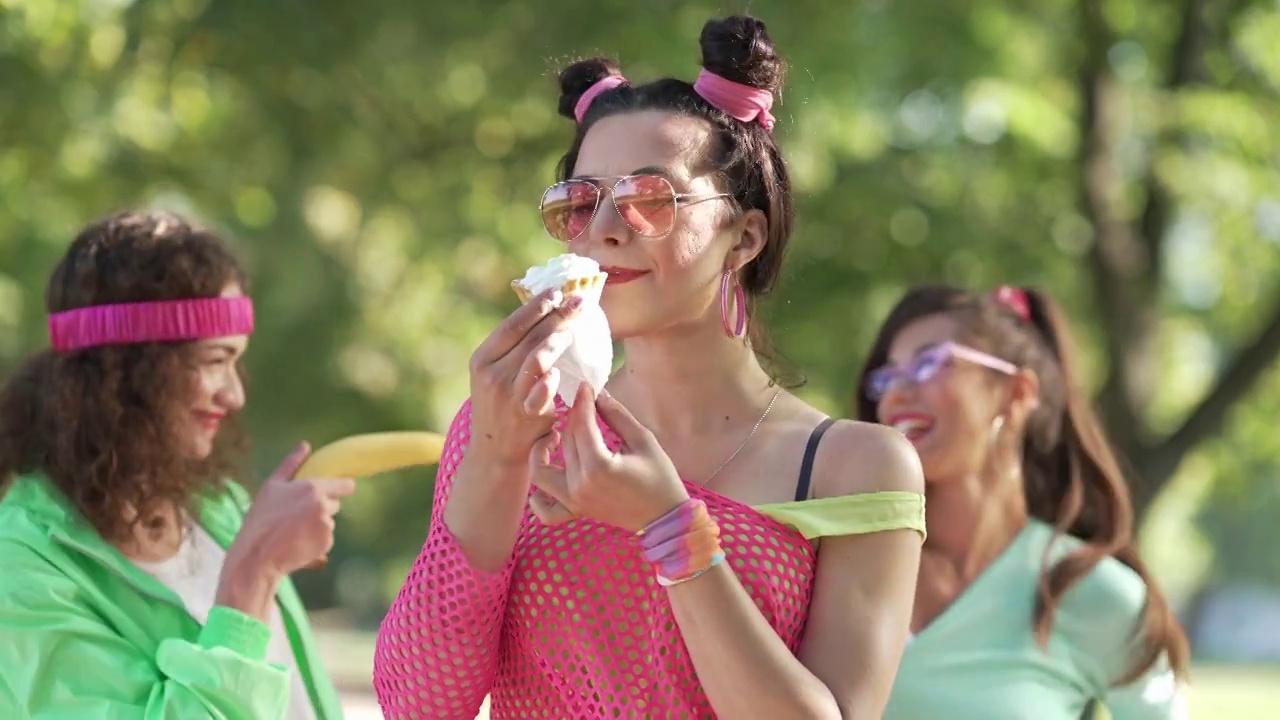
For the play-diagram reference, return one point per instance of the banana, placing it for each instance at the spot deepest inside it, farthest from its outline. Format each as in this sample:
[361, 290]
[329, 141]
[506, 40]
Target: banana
[361, 456]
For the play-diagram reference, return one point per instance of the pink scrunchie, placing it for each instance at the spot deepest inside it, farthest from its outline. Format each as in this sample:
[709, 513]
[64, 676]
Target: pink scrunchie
[608, 82]
[1014, 298]
[738, 101]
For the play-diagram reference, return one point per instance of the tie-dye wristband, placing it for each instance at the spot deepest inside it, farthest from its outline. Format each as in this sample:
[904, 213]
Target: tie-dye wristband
[682, 544]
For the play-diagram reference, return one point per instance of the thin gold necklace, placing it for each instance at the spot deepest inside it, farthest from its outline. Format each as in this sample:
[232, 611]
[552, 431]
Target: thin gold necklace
[746, 440]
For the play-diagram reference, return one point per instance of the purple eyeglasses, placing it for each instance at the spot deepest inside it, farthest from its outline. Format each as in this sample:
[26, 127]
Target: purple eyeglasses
[925, 366]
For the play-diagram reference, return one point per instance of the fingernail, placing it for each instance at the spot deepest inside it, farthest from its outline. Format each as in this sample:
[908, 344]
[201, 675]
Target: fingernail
[573, 303]
[604, 393]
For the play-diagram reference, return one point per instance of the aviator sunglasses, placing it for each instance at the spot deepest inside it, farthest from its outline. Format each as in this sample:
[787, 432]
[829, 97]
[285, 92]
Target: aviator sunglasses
[646, 203]
[923, 367]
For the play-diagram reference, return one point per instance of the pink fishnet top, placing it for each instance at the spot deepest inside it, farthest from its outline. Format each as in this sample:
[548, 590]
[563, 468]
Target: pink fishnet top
[575, 625]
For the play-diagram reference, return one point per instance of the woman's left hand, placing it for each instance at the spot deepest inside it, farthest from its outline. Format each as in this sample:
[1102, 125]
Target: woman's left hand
[628, 489]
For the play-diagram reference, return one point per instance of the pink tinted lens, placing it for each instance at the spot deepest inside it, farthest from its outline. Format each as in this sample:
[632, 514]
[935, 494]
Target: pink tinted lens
[647, 204]
[567, 208]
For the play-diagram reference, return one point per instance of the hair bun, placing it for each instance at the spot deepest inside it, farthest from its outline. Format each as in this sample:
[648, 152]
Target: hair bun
[738, 48]
[578, 77]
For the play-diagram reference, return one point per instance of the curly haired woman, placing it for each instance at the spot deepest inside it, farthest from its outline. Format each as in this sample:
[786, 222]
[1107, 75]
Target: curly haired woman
[138, 580]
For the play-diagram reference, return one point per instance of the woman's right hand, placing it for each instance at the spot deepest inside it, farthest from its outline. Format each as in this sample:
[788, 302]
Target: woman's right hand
[513, 383]
[288, 527]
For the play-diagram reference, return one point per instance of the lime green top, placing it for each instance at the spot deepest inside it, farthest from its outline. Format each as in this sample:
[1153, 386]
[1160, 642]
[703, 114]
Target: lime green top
[979, 659]
[851, 514]
[84, 633]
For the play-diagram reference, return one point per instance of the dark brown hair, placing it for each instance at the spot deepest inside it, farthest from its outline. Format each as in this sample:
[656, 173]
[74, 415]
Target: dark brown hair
[1072, 478]
[744, 155]
[96, 421]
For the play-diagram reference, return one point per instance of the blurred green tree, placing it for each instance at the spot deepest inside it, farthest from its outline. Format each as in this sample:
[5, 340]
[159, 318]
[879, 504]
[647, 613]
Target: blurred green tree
[380, 167]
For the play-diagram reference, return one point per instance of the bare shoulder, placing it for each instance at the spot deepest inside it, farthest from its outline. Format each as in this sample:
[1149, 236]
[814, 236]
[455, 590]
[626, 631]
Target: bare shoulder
[860, 457]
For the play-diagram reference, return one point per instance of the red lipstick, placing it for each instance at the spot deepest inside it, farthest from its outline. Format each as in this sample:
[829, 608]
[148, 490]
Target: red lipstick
[621, 275]
[912, 424]
[209, 420]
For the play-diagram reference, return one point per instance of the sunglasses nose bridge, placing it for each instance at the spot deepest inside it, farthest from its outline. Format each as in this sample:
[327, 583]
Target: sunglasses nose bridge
[608, 191]
[606, 216]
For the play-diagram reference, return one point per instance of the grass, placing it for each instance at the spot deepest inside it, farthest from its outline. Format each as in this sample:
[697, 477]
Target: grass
[1234, 693]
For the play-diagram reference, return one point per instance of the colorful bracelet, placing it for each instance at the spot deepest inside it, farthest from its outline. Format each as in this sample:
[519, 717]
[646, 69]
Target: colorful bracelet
[682, 544]
[715, 560]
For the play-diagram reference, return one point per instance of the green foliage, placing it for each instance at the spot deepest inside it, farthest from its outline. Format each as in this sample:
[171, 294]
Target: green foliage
[379, 167]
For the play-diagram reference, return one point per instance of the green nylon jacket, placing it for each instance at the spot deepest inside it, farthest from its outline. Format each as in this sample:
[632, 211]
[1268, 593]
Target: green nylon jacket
[85, 634]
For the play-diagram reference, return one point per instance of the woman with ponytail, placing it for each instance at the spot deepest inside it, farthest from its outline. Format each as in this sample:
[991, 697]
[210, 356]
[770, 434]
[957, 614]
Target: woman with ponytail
[1031, 600]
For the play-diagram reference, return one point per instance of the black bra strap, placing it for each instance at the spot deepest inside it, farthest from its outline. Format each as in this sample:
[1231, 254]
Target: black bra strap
[810, 452]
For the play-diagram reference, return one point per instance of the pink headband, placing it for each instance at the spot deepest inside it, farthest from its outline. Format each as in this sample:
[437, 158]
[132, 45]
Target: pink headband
[1014, 298]
[131, 323]
[738, 101]
[607, 82]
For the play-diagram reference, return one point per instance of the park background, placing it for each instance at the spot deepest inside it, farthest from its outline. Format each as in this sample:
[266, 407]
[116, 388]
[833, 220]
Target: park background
[378, 167]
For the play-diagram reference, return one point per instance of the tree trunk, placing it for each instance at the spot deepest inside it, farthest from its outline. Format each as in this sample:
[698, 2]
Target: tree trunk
[1127, 273]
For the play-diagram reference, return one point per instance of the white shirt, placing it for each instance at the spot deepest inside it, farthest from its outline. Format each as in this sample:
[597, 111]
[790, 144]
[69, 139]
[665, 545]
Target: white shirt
[192, 574]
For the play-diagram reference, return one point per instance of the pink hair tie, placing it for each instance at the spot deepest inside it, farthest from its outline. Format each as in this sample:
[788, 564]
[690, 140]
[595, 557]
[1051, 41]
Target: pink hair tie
[144, 322]
[738, 101]
[1014, 298]
[604, 84]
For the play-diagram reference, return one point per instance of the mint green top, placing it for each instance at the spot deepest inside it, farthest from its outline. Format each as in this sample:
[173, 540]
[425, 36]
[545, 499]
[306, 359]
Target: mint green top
[84, 633]
[979, 659]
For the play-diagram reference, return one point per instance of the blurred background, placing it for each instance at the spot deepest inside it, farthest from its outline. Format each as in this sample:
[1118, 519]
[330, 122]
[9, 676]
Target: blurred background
[378, 166]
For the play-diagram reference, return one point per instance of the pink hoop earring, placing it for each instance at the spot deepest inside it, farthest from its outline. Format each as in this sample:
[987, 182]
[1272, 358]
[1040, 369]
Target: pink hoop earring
[738, 329]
